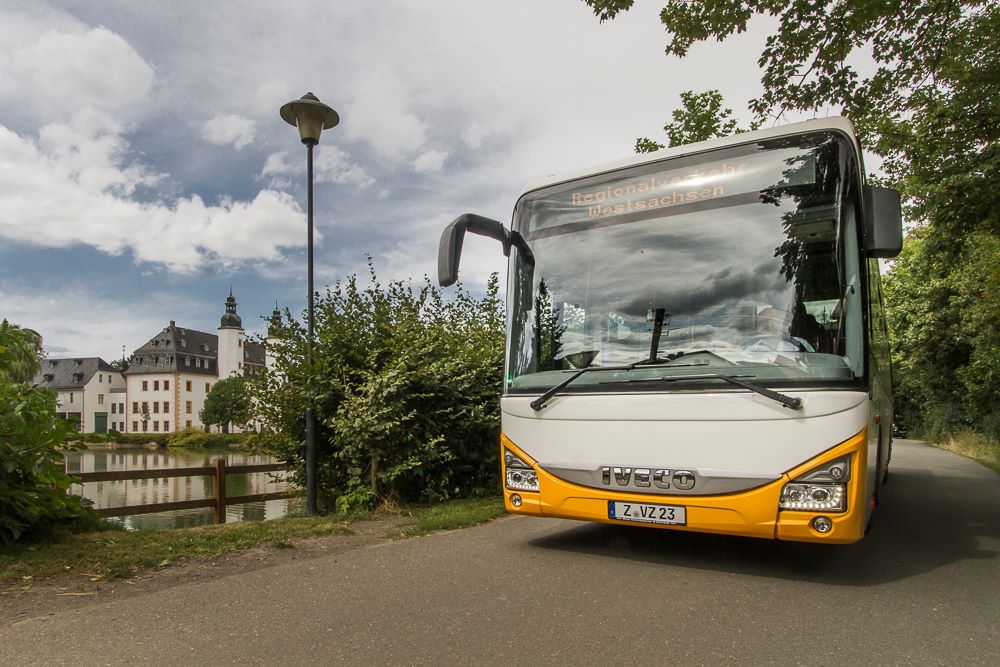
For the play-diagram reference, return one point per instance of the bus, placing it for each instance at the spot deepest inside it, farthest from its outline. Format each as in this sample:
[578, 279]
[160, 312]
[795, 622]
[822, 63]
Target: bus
[696, 338]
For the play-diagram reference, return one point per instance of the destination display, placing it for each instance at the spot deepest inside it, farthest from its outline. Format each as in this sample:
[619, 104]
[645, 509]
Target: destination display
[685, 188]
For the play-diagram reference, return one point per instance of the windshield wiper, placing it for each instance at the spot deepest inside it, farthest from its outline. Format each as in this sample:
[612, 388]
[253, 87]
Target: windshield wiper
[540, 402]
[784, 399]
[788, 401]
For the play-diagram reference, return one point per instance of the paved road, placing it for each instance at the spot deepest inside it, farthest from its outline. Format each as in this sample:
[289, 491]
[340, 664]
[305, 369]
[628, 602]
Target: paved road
[923, 588]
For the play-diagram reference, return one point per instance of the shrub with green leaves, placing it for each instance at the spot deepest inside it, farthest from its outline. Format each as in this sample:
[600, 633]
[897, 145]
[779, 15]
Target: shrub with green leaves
[33, 484]
[405, 387]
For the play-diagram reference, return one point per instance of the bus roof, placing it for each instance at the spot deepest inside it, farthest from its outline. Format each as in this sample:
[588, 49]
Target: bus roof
[832, 123]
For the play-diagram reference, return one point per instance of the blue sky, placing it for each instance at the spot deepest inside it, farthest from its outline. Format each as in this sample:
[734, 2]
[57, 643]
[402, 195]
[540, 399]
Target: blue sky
[144, 168]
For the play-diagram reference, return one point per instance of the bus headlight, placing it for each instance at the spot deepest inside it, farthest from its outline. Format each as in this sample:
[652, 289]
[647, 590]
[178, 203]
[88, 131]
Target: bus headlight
[519, 475]
[817, 497]
[822, 489]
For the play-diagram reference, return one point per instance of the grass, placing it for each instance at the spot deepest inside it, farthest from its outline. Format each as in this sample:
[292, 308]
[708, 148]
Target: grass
[451, 515]
[114, 554]
[974, 446]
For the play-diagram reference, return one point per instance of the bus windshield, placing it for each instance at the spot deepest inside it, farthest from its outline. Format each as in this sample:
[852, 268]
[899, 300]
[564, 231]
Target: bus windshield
[742, 261]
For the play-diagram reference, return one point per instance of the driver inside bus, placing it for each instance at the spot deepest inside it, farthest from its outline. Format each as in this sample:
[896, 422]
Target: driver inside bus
[774, 335]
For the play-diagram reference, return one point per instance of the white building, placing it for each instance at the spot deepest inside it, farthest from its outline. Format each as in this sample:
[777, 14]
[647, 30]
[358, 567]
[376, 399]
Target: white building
[90, 393]
[170, 376]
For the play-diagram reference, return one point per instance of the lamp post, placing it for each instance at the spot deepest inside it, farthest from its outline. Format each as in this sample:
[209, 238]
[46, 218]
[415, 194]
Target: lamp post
[311, 117]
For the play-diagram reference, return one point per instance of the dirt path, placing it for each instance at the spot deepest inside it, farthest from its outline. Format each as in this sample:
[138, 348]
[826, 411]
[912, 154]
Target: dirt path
[76, 589]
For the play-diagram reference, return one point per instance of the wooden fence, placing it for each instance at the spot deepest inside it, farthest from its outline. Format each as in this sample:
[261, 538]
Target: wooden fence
[217, 471]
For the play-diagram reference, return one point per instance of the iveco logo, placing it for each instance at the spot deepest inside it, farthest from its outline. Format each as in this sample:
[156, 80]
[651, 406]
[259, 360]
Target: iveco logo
[682, 480]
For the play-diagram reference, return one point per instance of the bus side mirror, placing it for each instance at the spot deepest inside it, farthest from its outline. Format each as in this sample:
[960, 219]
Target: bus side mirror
[883, 222]
[450, 248]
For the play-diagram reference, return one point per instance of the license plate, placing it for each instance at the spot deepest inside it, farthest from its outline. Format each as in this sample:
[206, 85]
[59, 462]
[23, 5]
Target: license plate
[673, 515]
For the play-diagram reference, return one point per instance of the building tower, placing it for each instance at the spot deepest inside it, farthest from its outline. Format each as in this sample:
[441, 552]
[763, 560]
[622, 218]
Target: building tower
[231, 340]
[273, 335]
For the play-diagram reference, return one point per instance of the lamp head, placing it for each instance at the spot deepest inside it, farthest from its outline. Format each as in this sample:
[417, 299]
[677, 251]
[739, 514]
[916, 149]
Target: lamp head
[311, 117]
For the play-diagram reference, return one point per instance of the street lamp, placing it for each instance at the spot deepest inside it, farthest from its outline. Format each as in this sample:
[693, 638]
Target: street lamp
[311, 117]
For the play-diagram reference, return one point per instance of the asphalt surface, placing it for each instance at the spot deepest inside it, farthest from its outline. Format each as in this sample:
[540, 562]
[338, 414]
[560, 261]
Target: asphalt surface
[922, 588]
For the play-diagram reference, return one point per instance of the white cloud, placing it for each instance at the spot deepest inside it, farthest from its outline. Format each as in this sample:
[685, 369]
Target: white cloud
[381, 113]
[332, 165]
[229, 128]
[276, 163]
[474, 134]
[72, 188]
[92, 68]
[430, 162]
[66, 319]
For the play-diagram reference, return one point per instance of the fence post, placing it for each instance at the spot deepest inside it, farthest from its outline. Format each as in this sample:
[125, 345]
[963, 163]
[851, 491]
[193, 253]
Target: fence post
[220, 490]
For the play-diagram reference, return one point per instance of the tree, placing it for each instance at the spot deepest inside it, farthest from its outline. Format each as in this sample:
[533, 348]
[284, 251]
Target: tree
[405, 387]
[33, 484]
[931, 109]
[700, 117]
[228, 403]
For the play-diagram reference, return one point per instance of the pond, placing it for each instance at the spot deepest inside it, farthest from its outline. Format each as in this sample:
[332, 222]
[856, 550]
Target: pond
[148, 491]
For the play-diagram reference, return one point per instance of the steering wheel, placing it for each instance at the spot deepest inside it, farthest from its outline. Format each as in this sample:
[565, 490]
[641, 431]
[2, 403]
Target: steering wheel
[775, 343]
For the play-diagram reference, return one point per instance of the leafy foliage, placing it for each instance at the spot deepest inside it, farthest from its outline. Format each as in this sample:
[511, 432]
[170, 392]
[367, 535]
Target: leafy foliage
[943, 325]
[33, 484]
[700, 117]
[227, 403]
[405, 387]
[195, 437]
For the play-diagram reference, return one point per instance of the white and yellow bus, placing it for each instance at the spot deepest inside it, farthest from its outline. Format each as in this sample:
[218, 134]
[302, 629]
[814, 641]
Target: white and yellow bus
[696, 338]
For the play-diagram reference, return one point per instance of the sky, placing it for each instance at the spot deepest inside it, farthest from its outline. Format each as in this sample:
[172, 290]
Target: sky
[145, 171]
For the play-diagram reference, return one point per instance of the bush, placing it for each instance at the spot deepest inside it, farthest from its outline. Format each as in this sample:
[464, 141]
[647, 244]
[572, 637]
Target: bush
[33, 484]
[159, 439]
[405, 390]
[188, 437]
[193, 437]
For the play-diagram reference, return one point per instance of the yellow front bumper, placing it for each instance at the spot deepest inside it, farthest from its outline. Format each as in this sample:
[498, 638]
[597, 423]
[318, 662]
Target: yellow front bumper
[752, 513]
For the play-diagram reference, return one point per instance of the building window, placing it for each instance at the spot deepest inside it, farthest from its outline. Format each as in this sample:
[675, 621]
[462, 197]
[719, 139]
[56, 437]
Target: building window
[100, 377]
[166, 426]
[156, 385]
[166, 385]
[145, 426]
[197, 362]
[135, 426]
[208, 388]
[100, 399]
[114, 408]
[156, 426]
[166, 407]
[156, 407]
[135, 406]
[145, 407]
[187, 385]
[70, 397]
[187, 424]
[121, 408]
[184, 343]
[187, 407]
[145, 385]
[187, 361]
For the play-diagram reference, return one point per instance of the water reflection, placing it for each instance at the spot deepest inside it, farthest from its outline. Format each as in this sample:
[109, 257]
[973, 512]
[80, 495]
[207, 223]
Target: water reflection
[148, 491]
